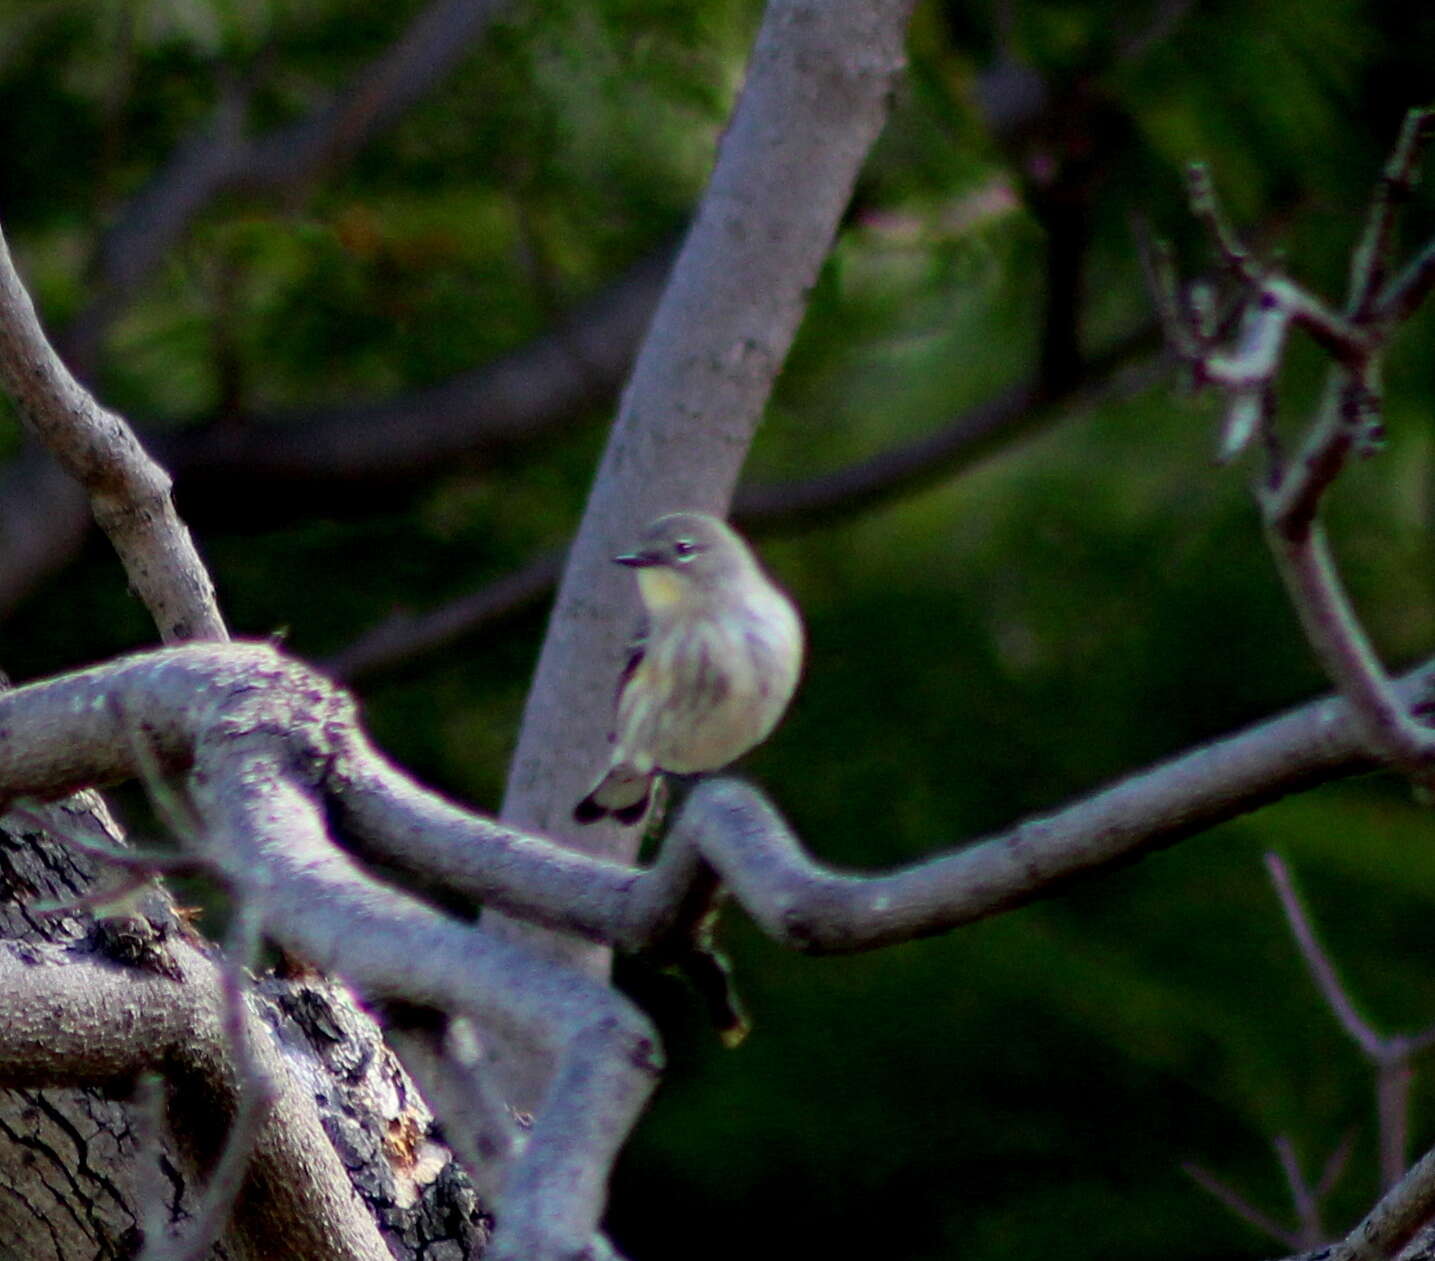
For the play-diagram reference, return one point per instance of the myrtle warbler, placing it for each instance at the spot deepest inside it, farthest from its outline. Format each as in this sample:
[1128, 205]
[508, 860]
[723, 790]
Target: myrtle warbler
[711, 670]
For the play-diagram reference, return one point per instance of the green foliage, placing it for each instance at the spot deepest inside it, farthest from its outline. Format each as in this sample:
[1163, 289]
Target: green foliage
[1091, 599]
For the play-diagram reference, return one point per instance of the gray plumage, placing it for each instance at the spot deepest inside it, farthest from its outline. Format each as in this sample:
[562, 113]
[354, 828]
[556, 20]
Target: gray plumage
[712, 671]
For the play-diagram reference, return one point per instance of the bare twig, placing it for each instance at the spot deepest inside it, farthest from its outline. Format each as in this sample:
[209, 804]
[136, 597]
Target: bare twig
[1347, 422]
[1404, 294]
[1321, 969]
[144, 861]
[1423, 1040]
[1238, 1206]
[1370, 263]
[1335, 1165]
[1389, 1055]
[97, 900]
[1206, 206]
[1392, 1109]
[1307, 1206]
[1343, 648]
[1161, 23]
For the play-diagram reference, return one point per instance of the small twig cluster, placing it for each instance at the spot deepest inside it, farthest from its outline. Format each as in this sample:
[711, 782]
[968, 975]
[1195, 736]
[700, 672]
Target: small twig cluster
[1348, 420]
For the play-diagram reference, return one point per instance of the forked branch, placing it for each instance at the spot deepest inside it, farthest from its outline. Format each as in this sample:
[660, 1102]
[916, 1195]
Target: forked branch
[1348, 420]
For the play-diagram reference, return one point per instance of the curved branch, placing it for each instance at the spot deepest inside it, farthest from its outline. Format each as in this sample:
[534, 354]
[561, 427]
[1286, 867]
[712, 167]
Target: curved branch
[731, 828]
[129, 493]
[255, 735]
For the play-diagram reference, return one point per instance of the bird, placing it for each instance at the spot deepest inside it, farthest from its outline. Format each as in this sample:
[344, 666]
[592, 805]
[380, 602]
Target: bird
[712, 668]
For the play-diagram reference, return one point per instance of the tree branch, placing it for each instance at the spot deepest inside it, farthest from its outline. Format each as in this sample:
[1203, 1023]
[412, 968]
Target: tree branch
[1394, 1220]
[271, 752]
[961, 442]
[129, 493]
[255, 734]
[1347, 421]
[405, 636]
[337, 459]
[1370, 263]
[1238, 1206]
[1318, 963]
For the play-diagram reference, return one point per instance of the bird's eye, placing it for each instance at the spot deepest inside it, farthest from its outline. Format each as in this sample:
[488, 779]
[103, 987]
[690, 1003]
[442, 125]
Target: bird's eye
[684, 549]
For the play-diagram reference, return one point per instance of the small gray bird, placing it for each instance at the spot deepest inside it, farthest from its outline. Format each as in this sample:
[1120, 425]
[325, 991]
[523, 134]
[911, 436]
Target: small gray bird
[711, 670]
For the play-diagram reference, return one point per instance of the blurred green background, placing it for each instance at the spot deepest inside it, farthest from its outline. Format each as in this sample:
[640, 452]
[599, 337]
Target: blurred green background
[1090, 596]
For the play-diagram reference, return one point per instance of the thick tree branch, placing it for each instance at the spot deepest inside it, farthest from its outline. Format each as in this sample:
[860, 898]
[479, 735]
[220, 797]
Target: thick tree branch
[807, 906]
[815, 98]
[254, 735]
[1392, 1223]
[77, 739]
[813, 102]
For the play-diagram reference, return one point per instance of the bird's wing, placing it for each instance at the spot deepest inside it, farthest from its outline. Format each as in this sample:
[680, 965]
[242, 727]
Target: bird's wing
[637, 649]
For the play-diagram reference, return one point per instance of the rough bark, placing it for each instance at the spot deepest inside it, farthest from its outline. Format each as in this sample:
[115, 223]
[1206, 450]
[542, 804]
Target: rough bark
[347, 1165]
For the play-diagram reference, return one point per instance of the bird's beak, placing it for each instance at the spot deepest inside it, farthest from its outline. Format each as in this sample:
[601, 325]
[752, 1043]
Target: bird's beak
[637, 560]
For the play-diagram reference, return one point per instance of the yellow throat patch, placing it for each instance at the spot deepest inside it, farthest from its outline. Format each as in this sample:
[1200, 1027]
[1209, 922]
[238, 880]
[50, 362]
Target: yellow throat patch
[661, 588]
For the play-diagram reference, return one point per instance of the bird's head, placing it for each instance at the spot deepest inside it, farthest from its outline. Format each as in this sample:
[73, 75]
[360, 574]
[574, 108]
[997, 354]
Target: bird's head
[683, 556]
